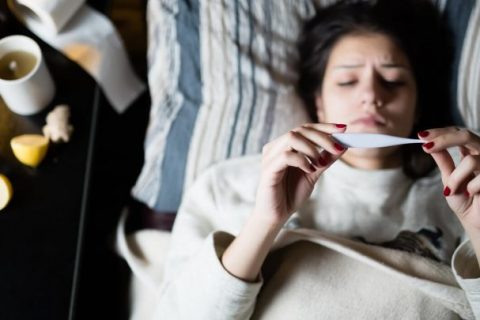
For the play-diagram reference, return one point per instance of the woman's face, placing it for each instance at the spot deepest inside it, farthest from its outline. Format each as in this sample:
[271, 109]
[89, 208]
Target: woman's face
[369, 85]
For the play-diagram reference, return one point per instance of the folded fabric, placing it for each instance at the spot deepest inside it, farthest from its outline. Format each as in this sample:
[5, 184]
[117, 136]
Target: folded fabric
[313, 275]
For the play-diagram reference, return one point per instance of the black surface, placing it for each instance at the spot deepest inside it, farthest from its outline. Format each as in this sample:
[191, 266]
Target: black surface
[118, 158]
[103, 282]
[56, 236]
[39, 229]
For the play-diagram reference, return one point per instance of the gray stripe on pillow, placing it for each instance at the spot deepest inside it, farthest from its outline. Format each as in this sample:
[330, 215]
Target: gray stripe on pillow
[189, 84]
[457, 15]
[272, 92]
[239, 75]
[254, 86]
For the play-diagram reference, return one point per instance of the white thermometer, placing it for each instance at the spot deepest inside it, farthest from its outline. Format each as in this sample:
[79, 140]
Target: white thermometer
[371, 140]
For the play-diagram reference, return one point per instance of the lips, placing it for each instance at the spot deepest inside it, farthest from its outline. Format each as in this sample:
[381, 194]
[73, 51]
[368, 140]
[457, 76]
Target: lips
[370, 121]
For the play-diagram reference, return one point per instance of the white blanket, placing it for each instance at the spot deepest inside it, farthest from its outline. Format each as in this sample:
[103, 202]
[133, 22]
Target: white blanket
[312, 275]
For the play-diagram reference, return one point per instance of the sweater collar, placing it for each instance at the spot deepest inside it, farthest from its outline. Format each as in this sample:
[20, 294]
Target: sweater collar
[343, 173]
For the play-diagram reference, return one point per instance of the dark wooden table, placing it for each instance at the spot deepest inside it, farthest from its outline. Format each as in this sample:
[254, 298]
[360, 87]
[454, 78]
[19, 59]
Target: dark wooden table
[41, 230]
[57, 257]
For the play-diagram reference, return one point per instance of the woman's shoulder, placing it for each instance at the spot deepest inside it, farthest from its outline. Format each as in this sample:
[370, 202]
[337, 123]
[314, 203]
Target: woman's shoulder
[234, 166]
[236, 176]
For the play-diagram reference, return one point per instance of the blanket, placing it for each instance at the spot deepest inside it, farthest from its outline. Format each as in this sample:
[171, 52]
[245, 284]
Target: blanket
[311, 274]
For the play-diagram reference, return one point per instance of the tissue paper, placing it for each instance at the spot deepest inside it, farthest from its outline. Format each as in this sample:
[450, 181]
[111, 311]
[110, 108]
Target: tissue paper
[86, 37]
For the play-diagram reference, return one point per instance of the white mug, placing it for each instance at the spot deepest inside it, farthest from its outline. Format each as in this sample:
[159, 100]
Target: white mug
[30, 93]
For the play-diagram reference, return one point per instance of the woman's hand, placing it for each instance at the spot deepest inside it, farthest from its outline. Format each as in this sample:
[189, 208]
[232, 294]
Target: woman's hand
[461, 183]
[291, 165]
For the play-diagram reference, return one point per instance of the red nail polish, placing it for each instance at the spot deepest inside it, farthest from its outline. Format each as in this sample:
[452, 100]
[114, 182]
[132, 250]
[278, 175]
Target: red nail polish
[312, 168]
[446, 191]
[338, 147]
[467, 194]
[423, 134]
[341, 126]
[428, 145]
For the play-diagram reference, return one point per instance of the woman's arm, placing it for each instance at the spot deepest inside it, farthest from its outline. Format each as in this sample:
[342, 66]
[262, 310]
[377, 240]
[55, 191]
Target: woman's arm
[245, 256]
[196, 285]
[211, 274]
[291, 165]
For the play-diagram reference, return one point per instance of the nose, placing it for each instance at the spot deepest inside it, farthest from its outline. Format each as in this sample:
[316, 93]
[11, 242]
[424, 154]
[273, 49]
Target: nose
[372, 93]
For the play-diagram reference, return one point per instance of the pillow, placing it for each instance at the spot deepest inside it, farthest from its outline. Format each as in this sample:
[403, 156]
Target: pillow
[221, 79]
[463, 18]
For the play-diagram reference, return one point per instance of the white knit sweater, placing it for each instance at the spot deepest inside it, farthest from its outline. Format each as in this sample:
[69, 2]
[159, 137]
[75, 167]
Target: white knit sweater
[382, 207]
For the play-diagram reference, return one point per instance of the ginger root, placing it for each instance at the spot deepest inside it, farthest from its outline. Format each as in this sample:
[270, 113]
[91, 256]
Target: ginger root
[58, 128]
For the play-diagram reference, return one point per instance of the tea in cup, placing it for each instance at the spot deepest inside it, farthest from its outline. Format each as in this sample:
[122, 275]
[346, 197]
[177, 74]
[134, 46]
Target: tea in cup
[26, 85]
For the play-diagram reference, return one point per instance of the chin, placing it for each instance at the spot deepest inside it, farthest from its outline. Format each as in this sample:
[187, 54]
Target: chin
[377, 153]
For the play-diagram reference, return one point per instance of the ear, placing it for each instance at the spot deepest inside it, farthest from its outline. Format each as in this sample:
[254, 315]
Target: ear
[319, 107]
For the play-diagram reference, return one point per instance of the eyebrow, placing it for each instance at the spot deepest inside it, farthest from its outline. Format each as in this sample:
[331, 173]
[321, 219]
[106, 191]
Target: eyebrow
[385, 65]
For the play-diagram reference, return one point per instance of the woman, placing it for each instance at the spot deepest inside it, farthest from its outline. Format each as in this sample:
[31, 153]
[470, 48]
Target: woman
[364, 68]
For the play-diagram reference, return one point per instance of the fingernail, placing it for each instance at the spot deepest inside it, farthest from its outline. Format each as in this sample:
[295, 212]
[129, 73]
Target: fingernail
[321, 161]
[313, 168]
[423, 134]
[338, 147]
[446, 191]
[428, 145]
[341, 126]
[467, 194]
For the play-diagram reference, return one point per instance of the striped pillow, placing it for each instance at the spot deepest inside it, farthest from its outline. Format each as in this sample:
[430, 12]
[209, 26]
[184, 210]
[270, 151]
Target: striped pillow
[221, 79]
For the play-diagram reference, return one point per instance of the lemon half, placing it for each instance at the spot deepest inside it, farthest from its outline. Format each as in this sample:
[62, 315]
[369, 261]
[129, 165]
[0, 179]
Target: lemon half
[6, 191]
[30, 149]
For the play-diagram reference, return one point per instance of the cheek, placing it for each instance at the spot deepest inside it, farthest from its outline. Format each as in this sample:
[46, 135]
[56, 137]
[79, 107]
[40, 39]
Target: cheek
[336, 109]
[409, 102]
[336, 106]
[402, 114]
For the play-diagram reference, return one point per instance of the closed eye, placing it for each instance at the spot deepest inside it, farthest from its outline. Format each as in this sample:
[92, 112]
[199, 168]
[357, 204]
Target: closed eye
[393, 83]
[346, 83]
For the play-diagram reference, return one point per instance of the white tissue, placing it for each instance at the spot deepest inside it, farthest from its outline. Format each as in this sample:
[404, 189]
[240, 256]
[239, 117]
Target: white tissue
[86, 37]
[49, 14]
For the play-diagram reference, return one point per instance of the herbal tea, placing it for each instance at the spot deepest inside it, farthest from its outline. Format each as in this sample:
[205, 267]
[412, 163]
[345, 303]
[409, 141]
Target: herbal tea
[16, 64]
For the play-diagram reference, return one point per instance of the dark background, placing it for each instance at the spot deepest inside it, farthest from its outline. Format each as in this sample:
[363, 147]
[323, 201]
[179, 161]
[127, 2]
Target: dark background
[102, 286]
[118, 157]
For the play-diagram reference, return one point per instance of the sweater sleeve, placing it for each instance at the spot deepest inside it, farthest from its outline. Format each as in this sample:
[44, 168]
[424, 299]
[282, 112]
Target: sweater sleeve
[466, 270]
[196, 284]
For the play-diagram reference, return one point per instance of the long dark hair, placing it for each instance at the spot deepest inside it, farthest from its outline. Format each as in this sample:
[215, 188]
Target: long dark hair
[416, 27]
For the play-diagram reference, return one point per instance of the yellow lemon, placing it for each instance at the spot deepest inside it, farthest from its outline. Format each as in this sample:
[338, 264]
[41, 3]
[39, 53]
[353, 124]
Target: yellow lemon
[6, 191]
[30, 149]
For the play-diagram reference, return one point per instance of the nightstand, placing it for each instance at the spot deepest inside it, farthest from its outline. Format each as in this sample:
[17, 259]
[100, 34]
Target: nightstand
[41, 230]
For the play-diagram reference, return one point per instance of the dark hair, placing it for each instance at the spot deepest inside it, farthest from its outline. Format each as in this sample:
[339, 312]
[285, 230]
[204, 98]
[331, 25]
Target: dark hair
[416, 27]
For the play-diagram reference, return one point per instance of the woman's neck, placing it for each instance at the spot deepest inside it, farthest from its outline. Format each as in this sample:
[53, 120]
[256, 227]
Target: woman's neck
[372, 160]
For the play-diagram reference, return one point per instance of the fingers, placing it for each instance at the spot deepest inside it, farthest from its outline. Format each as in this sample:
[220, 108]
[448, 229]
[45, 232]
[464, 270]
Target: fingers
[291, 159]
[321, 139]
[302, 147]
[460, 179]
[443, 138]
[445, 163]
[473, 187]
[456, 180]
[326, 127]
